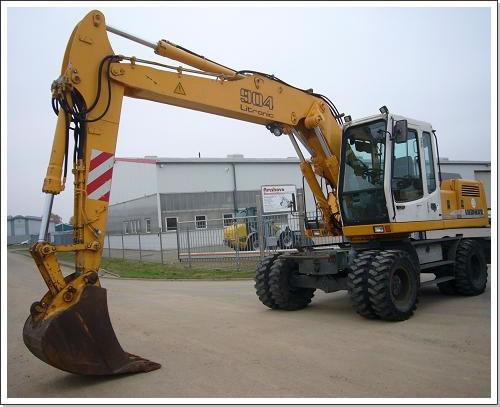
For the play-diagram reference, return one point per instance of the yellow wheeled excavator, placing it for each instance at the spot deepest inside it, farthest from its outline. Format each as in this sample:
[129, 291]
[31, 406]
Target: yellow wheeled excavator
[383, 172]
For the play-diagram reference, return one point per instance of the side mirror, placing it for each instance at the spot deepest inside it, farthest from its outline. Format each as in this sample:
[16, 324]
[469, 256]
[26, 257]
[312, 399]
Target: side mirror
[400, 132]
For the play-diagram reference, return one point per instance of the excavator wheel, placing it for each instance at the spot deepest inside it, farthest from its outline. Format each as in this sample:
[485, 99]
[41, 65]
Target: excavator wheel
[81, 340]
[471, 270]
[284, 295]
[393, 285]
[286, 240]
[358, 283]
[262, 282]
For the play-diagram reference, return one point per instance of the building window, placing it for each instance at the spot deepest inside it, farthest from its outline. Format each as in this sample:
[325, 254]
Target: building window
[136, 226]
[148, 225]
[133, 226]
[228, 219]
[171, 223]
[126, 229]
[201, 222]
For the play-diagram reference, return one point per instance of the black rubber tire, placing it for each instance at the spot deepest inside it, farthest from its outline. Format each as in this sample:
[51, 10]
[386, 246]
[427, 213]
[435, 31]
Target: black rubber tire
[448, 288]
[284, 295]
[357, 284]
[253, 242]
[471, 270]
[262, 282]
[393, 285]
[286, 240]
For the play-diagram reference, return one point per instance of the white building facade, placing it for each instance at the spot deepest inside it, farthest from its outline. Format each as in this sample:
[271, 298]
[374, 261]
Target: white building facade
[152, 194]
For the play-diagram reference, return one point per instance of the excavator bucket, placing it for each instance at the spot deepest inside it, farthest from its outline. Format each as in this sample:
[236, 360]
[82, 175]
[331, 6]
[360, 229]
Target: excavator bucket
[81, 339]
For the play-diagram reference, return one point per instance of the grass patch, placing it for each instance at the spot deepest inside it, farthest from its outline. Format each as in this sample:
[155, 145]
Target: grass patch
[137, 269]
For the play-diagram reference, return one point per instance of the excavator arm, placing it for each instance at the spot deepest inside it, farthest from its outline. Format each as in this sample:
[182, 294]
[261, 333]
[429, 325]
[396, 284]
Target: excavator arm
[69, 327]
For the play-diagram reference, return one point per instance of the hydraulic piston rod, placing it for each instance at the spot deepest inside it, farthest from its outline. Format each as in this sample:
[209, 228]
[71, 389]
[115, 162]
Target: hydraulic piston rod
[170, 50]
[47, 209]
[130, 37]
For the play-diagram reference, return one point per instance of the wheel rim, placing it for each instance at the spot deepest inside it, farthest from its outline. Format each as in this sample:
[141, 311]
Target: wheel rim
[400, 287]
[286, 241]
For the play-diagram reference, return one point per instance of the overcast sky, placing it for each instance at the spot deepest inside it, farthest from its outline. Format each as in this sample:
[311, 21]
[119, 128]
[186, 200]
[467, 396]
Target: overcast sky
[432, 64]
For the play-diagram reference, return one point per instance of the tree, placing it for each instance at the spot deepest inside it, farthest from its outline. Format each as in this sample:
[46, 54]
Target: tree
[55, 218]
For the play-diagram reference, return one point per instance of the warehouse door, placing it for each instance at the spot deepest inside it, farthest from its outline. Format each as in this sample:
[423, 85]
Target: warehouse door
[485, 178]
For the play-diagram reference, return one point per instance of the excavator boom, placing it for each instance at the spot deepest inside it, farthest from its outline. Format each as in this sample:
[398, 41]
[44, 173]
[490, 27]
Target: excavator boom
[69, 328]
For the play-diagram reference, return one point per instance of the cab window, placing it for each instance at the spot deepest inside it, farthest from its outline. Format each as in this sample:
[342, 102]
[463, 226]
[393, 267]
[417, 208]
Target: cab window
[362, 183]
[406, 176]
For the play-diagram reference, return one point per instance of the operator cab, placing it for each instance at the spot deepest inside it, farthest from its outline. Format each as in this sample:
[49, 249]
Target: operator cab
[389, 171]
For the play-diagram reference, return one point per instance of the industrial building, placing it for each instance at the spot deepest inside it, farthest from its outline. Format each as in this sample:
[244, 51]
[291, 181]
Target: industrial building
[152, 194]
[24, 228]
[171, 190]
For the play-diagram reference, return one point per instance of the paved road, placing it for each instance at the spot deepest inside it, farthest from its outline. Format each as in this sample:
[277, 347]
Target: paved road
[214, 339]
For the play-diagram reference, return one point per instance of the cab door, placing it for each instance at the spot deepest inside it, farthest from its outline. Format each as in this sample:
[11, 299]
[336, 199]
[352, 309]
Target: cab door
[414, 188]
[430, 170]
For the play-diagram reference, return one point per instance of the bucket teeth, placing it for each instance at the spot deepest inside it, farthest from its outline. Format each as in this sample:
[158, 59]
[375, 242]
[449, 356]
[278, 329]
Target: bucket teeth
[81, 339]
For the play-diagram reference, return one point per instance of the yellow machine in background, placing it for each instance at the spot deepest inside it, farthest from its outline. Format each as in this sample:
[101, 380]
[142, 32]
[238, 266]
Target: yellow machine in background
[382, 172]
[243, 233]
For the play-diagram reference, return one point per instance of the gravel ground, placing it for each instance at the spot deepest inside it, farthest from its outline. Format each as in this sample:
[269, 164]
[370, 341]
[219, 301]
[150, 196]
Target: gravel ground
[215, 339]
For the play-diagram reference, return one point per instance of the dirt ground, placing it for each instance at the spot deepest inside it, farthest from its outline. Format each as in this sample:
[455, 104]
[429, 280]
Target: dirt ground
[215, 339]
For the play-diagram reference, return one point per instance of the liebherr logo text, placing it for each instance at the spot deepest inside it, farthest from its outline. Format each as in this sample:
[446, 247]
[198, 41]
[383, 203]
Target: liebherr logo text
[249, 97]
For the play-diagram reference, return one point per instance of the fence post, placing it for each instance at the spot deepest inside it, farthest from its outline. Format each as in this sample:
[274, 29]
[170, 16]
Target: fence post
[178, 245]
[260, 225]
[237, 244]
[109, 246]
[189, 246]
[140, 250]
[161, 248]
[123, 248]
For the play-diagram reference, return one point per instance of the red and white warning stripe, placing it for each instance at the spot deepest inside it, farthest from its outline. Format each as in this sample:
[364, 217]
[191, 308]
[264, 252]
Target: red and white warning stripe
[100, 174]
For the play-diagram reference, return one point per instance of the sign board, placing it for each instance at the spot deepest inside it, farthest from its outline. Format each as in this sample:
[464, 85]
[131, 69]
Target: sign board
[279, 198]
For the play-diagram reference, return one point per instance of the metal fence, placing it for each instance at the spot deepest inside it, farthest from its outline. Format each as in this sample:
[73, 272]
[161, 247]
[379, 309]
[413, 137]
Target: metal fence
[237, 243]
[146, 247]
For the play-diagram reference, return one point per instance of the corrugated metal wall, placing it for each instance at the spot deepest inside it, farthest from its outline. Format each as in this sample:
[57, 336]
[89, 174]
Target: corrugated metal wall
[194, 177]
[213, 205]
[138, 210]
